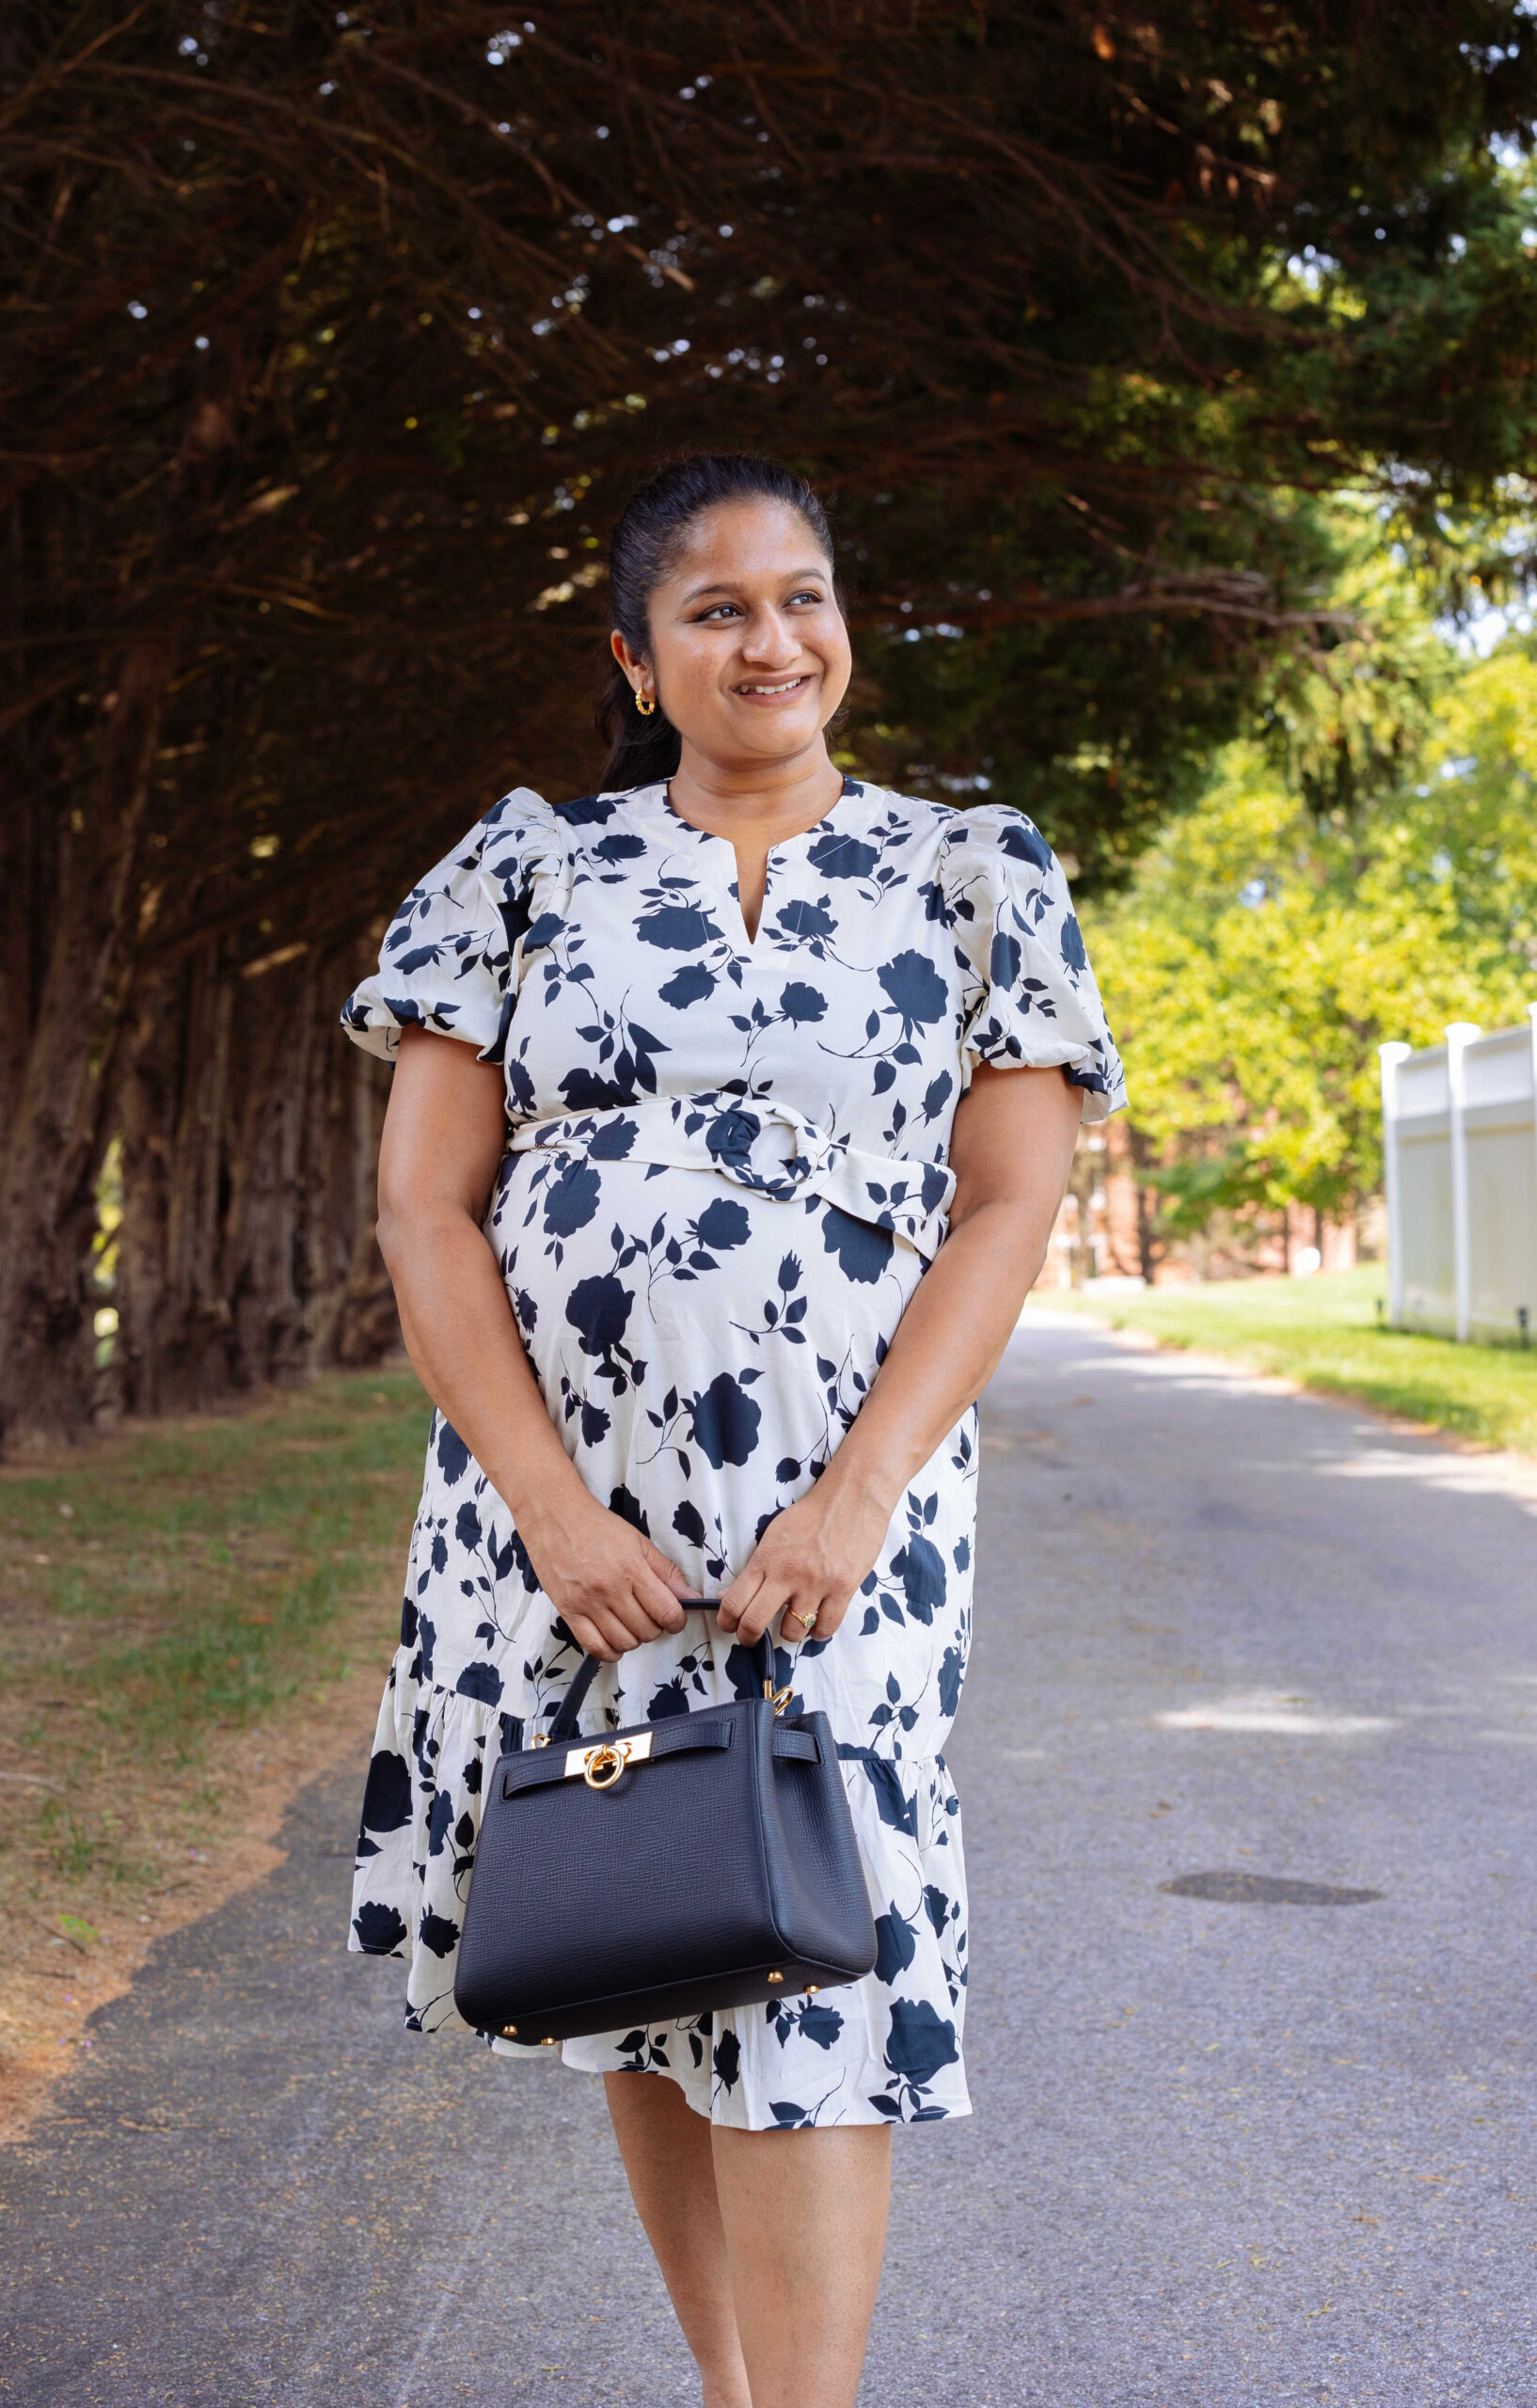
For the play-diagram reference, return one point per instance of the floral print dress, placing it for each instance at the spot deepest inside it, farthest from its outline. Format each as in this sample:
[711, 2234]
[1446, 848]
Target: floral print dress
[726, 1172]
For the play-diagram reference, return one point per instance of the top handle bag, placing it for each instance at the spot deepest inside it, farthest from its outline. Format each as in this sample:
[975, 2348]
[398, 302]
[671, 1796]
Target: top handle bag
[665, 1870]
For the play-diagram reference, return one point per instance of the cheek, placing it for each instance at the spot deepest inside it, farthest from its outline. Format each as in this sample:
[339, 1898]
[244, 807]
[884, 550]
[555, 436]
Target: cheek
[686, 673]
[838, 659]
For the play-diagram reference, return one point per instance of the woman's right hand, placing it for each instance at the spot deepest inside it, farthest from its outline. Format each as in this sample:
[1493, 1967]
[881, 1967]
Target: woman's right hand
[604, 1578]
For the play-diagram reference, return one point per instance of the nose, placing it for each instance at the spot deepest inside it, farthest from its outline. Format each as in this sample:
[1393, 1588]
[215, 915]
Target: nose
[769, 640]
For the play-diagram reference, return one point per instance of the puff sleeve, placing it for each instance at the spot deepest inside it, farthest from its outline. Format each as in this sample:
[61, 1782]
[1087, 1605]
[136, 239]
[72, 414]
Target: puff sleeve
[453, 953]
[1031, 1000]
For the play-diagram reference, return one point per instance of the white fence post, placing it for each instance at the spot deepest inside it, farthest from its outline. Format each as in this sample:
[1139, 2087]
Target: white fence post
[1460, 1035]
[1391, 1057]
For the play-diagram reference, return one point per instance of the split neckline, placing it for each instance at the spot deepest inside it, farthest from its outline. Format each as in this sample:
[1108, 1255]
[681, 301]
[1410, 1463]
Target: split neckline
[658, 793]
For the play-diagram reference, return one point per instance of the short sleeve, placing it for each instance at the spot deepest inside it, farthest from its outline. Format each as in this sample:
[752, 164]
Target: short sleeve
[1035, 1004]
[452, 954]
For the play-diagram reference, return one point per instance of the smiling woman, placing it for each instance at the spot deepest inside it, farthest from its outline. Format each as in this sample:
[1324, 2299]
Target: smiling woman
[722, 566]
[734, 1105]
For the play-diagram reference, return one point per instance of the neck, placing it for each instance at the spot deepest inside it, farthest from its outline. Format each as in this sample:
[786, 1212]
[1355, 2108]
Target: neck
[770, 798]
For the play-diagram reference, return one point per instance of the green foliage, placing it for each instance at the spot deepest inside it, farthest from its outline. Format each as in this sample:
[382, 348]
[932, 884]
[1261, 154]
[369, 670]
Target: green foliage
[1325, 1332]
[1265, 950]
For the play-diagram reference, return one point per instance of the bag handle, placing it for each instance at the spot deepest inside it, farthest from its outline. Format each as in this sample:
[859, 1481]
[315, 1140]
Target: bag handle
[564, 1724]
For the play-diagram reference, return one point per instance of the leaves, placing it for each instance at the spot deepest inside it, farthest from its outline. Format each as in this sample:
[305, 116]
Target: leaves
[1262, 954]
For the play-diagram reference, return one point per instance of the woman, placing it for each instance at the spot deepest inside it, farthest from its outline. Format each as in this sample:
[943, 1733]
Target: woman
[732, 1111]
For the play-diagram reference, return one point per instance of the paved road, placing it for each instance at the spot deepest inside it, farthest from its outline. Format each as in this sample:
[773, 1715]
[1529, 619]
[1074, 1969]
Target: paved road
[1223, 2152]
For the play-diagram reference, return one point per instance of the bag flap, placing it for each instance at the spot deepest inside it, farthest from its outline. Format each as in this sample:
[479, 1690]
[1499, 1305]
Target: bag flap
[601, 1761]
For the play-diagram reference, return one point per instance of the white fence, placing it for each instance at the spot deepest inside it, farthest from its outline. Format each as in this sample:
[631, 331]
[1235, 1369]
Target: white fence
[1460, 1162]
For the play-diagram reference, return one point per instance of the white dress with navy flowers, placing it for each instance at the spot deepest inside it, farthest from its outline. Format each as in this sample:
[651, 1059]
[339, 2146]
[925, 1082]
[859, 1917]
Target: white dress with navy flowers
[726, 1173]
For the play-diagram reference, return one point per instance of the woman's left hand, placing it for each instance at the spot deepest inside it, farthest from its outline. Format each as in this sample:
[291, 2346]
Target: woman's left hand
[809, 1562]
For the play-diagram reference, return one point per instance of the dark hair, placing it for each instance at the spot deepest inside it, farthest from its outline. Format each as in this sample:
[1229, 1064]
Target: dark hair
[646, 545]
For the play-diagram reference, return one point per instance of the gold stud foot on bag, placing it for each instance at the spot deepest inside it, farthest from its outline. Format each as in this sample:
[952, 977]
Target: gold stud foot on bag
[776, 1977]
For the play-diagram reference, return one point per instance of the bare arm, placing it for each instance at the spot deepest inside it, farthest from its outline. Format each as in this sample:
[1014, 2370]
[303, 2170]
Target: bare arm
[443, 1139]
[1012, 1151]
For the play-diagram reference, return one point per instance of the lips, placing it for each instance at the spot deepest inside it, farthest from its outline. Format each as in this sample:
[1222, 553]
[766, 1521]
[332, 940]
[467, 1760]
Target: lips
[760, 690]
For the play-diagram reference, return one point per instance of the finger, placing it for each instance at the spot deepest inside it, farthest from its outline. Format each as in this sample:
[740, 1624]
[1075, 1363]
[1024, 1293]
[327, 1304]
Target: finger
[679, 1582]
[595, 1638]
[801, 1619]
[764, 1606]
[654, 1589]
[646, 1618]
[627, 1622]
[737, 1598]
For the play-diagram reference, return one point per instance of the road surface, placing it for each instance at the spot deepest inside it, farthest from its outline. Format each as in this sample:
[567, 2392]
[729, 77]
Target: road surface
[1226, 2149]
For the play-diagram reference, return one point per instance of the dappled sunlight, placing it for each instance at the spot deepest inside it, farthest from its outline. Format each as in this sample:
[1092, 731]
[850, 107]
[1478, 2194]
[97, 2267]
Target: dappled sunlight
[1503, 1475]
[1265, 1710]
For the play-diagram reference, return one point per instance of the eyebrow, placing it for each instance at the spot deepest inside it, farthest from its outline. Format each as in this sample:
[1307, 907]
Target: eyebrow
[796, 576]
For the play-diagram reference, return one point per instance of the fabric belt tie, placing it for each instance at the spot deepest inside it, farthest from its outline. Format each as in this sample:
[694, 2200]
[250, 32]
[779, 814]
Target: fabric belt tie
[760, 1144]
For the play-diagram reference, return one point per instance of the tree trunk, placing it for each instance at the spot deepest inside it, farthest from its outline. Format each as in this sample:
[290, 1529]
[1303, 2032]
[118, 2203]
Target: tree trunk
[173, 1319]
[250, 1131]
[1149, 1253]
[53, 1141]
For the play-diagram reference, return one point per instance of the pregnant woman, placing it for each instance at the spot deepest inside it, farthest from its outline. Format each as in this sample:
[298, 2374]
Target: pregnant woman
[732, 1110]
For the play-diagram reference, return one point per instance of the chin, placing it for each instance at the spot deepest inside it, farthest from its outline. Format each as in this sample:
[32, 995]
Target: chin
[778, 737]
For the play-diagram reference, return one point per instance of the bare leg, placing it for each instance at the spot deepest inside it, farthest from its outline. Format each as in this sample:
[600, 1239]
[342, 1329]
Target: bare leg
[666, 2149]
[805, 2216]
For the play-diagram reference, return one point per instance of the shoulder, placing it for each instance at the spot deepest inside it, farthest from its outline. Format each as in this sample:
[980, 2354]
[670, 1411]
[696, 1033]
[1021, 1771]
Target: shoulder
[518, 835]
[520, 813]
[996, 832]
[592, 810]
[969, 837]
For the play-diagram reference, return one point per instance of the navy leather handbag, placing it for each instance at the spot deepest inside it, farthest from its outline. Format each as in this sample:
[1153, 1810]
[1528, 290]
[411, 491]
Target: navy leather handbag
[705, 1860]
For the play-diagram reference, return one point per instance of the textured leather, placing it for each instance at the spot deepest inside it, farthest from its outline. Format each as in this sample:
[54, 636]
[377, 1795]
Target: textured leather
[726, 1855]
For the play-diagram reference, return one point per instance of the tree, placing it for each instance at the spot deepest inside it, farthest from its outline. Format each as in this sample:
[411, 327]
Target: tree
[345, 336]
[1264, 952]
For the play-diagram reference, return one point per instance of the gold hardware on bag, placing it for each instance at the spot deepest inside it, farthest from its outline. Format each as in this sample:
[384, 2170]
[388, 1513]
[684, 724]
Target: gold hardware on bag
[547, 2044]
[812, 1988]
[776, 1977]
[779, 1699]
[540, 1739]
[509, 2031]
[600, 1766]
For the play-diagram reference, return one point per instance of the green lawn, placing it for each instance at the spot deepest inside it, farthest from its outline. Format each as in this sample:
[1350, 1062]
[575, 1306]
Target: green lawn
[171, 1584]
[1325, 1333]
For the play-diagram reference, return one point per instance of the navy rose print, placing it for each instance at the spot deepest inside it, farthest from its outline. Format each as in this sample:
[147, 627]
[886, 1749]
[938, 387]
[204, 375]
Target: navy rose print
[727, 1171]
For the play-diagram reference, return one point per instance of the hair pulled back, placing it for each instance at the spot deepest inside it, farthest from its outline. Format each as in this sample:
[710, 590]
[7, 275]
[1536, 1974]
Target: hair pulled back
[651, 532]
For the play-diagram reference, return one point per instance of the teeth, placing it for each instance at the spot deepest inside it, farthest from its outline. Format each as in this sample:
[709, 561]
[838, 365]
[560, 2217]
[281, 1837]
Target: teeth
[772, 689]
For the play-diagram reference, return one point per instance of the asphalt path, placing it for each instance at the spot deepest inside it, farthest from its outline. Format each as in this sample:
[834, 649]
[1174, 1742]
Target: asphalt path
[1225, 2150]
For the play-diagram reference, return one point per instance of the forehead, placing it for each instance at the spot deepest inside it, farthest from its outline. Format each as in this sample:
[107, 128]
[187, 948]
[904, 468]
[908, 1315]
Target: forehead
[740, 543]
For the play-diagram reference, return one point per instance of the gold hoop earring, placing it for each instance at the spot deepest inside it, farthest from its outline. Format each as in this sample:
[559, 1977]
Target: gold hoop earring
[644, 707]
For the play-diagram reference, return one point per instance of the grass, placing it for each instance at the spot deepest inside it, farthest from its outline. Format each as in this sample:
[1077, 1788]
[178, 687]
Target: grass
[172, 1584]
[1325, 1333]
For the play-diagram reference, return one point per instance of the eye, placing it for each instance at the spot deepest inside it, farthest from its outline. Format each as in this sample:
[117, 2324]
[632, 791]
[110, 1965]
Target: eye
[809, 594]
[716, 611]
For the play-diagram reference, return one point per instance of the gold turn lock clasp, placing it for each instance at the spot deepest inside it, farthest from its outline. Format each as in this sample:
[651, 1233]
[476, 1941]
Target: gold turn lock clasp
[601, 1765]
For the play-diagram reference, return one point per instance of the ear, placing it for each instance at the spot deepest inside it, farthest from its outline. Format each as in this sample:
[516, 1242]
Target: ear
[634, 664]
